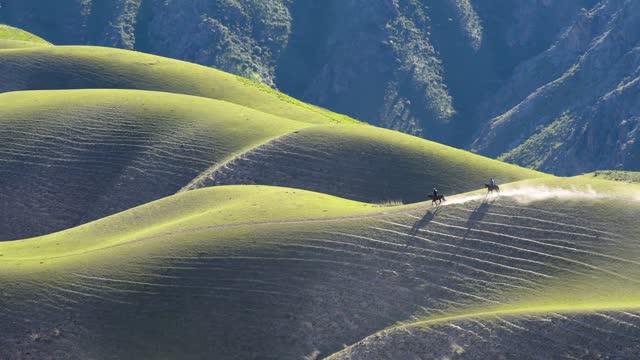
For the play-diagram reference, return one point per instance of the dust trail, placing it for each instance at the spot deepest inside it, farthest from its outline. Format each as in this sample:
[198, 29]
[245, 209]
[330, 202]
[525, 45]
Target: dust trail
[529, 194]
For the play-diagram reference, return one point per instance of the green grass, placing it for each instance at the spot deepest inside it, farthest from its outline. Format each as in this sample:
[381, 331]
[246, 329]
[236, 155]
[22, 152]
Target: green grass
[11, 33]
[17, 44]
[93, 67]
[367, 164]
[226, 206]
[452, 169]
[622, 176]
[104, 151]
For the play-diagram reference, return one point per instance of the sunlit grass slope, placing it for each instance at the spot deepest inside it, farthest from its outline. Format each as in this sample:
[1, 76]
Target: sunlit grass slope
[80, 67]
[278, 273]
[17, 44]
[364, 163]
[11, 37]
[69, 157]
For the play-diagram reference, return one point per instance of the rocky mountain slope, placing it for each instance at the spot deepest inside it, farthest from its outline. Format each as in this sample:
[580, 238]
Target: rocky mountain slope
[545, 84]
[574, 107]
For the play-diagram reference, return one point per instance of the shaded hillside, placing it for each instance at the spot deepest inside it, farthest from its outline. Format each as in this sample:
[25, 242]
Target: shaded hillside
[606, 334]
[274, 273]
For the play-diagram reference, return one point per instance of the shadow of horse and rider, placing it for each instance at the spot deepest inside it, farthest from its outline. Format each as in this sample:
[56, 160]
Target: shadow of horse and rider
[438, 199]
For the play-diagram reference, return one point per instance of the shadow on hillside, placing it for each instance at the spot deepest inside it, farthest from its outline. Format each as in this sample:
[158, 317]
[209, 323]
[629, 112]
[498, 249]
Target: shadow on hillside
[426, 219]
[477, 215]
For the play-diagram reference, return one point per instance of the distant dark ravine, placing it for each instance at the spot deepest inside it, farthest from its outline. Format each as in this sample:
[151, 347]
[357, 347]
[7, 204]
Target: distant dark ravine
[561, 77]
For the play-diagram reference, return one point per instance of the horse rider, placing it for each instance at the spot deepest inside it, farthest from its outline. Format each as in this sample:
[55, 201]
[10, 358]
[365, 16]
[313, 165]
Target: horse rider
[435, 193]
[492, 183]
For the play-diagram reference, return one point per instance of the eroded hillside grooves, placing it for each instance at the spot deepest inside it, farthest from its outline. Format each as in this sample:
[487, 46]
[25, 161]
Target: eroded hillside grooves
[297, 284]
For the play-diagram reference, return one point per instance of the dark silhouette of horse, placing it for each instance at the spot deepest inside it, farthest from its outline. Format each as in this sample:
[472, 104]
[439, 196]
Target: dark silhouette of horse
[493, 188]
[437, 199]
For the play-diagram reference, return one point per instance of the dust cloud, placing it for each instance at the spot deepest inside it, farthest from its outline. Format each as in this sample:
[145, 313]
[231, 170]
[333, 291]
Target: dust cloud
[530, 194]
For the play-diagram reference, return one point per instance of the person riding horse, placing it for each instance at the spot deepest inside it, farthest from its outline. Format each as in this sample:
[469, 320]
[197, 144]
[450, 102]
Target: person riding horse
[492, 186]
[435, 198]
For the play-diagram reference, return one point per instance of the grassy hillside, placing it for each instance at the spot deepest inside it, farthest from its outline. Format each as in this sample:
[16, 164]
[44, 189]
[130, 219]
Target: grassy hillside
[591, 306]
[227, 206]
[69, 157]
[11, 33]
[81, 67]
[217, 272]
[17, 44]
[623, 176]
[74, 156]
[363, 163]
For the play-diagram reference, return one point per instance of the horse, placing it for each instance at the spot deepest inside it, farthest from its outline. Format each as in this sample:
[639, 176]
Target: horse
[437, 200]
[493, 188]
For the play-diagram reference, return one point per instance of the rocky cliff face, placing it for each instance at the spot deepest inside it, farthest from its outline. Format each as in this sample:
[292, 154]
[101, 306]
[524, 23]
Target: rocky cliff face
[574, 107]
[546, 84]
[243, 37]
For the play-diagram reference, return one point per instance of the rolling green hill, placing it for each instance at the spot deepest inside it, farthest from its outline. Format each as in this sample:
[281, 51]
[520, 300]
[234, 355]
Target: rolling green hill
[12, 38]
[363, 163]
[81, 67]
[259, 272]
[11, 33]
[74, 156]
